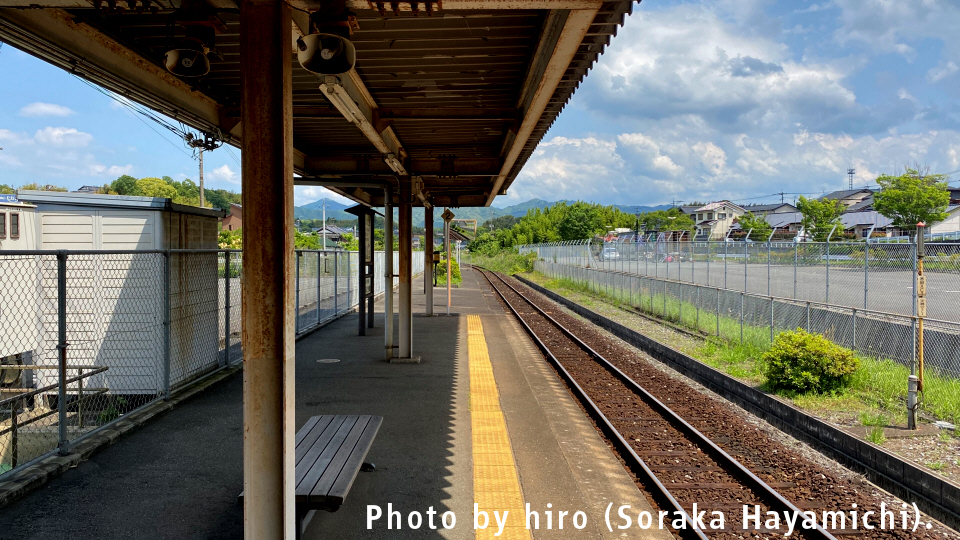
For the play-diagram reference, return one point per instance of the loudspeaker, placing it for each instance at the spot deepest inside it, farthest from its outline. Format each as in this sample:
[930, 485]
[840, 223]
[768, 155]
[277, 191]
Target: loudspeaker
[188, 59]
[326, 54]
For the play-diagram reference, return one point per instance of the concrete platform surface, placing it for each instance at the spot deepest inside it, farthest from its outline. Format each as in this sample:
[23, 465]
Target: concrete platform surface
[179, 476]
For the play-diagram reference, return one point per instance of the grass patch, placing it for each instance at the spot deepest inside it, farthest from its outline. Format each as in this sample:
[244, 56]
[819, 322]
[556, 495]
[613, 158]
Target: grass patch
[878, 388]
[937, 465]
[875, 435]
[507, 262]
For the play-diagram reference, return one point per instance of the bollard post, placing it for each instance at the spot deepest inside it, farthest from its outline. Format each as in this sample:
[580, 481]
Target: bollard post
[226, 307]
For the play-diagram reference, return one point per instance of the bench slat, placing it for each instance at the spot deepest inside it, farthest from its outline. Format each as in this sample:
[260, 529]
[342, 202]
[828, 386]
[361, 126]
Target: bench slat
[316, 435]
[318, 494]
[303, 431]
[338, 492]
[315, 463]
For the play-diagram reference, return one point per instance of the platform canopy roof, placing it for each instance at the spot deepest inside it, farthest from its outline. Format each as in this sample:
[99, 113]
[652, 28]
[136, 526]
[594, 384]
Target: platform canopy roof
[454, 94]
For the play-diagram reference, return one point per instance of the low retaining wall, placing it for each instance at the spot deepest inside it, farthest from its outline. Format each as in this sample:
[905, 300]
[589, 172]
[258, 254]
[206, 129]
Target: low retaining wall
[935, 496]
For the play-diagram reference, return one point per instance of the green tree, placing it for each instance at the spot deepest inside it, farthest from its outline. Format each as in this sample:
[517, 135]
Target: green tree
[819, 216]
[6, 190]
[125, 185]
[230, 239]
[154, 187]
[666, 220]
[306, 241]
[33, 186]
[761, 229]
[912, 197]
[580, 223]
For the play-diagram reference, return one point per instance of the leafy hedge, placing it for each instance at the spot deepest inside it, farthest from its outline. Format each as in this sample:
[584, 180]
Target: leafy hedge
[803, 362]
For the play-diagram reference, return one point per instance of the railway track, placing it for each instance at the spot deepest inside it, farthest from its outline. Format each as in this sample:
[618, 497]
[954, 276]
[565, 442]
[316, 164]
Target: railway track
[672, 460]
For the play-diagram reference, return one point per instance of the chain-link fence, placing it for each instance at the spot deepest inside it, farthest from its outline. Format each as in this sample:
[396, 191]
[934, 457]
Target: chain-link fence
[888, 340]
[874, 276]
[86, 337]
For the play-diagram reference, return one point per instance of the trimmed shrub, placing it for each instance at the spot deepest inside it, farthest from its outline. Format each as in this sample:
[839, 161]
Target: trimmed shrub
[803, 362]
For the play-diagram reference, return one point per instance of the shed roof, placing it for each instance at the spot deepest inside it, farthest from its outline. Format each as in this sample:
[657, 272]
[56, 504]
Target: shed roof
[115, 201]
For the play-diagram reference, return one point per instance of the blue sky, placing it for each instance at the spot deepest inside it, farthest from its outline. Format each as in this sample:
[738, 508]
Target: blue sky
[704, 100]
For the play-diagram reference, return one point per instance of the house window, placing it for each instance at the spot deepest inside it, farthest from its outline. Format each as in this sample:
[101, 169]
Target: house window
[3, 225]
[709, 215]
[721, 216]
[14, 226]
[700, 216]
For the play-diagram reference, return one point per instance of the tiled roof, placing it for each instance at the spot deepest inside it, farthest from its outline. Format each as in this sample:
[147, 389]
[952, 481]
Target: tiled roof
[716, 205]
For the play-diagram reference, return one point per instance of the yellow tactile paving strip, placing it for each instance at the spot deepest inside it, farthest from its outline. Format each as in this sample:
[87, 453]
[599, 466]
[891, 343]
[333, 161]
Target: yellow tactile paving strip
[495, 483]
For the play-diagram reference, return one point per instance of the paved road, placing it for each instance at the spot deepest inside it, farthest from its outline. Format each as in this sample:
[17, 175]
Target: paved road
[885, 290]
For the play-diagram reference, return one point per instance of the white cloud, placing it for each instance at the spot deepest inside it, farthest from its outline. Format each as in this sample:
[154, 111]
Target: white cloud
[45, 109]
[62, 137]
[942, 71]
[692, 60]
[224, 173]
[890, 26]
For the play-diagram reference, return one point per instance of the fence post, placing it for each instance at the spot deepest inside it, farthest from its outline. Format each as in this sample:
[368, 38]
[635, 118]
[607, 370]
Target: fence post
[854, 320]
[296, 302]
[768, 263]
[166, 325]
[741, 317]
[665, 299]
[746, 255]
[796, 261]
[693, 261]
[698, 308]
[726, 246]
[14, 435]
[718, 312]
[349, 292]
[913, 321]
[771, 320]
[709, 256]
[226, 307]
[336, 283]
[866, 272]
[320, 259]
[827, 300]
[808, 316]
[62, 346]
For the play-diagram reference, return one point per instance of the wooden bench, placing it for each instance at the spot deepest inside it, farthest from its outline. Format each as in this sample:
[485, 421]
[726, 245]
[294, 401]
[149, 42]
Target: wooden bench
[330, 451]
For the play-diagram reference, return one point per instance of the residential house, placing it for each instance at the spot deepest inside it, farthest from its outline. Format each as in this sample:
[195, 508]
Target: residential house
[848, 197]
[714, 220]
[333, 233]
[766, 209]
[234, 219]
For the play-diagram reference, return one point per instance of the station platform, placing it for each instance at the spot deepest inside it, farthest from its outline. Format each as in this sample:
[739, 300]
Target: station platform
[482, 419]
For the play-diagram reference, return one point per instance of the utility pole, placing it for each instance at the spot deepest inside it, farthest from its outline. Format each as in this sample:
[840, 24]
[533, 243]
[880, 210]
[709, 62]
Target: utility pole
[201, 178]
[850, 173]
[781, 197]
[206, 143]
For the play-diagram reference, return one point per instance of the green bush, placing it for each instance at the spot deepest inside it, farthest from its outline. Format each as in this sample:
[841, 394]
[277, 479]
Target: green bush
[803, 362]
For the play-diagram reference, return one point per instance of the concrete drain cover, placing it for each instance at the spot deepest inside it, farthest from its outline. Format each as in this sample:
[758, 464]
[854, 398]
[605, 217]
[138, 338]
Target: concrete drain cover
[328, 360]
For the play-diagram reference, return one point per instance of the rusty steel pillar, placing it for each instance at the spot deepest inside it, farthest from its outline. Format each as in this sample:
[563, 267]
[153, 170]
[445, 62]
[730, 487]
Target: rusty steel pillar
[428, 260]
[268, 288]
[388, 272]
[405, 237]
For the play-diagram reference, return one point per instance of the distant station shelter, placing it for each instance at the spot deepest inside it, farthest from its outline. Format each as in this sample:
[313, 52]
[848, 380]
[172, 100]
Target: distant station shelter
[386, 103]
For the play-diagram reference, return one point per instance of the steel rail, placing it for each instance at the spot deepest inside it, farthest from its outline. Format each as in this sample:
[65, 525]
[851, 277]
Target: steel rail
[717, 453]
